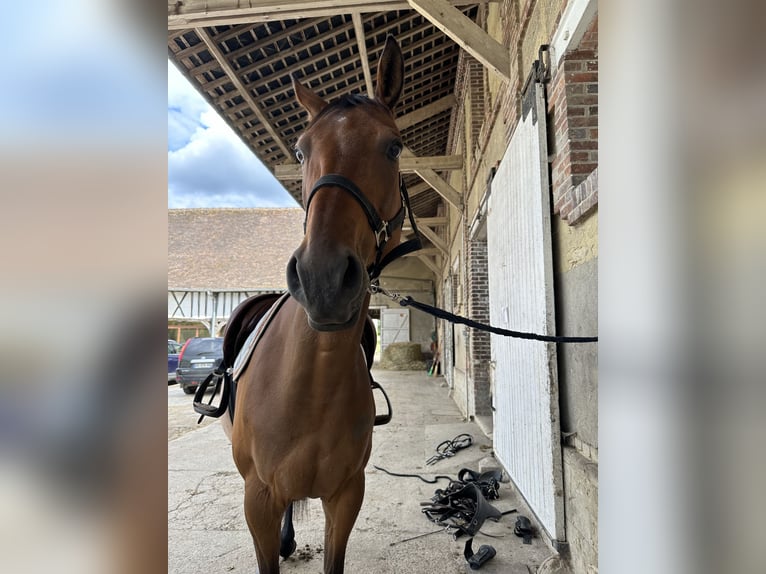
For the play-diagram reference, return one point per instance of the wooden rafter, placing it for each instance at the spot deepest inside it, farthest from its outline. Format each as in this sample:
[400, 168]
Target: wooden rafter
[426, 112]
[416, 190]
[437, 183]
[362, 46]
[430, 221]
[432, 236]
[427, 251]
[226, 67]
[195, 13]
[291, 31]
[429, 263]
[467, 34]
[327, 54]
[404, 122]
[406, 164]
[318, 74]
[441, 187]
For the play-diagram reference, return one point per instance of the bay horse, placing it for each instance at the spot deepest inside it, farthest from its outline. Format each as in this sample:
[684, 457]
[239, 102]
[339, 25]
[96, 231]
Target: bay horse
[304, 416]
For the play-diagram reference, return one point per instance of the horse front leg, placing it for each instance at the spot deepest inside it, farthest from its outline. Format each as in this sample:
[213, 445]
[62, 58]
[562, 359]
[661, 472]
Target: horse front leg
[287, 536]
[263, 517]
[340, 515]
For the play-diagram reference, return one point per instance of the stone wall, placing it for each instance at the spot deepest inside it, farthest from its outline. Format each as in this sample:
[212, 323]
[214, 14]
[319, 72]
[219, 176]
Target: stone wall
[581, 501]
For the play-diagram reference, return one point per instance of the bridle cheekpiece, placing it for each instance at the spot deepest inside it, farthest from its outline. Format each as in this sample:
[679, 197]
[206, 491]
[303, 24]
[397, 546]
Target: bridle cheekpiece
[383, 230]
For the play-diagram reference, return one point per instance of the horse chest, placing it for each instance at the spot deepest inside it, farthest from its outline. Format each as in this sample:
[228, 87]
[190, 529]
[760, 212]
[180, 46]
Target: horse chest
[336, 413]
[328, 437]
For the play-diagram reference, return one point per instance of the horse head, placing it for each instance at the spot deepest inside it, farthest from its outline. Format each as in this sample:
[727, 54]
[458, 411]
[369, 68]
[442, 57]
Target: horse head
[350, 162]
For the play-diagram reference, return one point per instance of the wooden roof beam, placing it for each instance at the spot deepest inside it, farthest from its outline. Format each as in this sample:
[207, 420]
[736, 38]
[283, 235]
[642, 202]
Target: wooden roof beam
[422, 114]
[430, 221]
[432, 236]
[236, 31]
[418, 189]
[318, 73]
[467, 34]
[316, 39]
[441, 187]
[206, 13]
[406, 164]
[244, 92]
[423, 252]
[362, 46]
[404, 122]
[429, 263]
[274, 38]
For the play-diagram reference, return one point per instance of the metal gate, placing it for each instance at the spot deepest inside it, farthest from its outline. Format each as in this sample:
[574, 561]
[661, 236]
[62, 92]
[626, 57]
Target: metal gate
[526, 419]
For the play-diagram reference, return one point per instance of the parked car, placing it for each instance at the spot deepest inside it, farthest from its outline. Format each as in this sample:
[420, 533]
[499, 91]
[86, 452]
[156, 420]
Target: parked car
[173, 349]
[199, 357]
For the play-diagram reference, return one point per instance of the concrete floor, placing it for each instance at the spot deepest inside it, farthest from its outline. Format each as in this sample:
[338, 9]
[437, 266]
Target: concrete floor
[206, 524]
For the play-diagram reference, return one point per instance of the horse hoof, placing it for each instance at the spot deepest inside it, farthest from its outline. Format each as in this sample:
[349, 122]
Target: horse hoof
[286, 550]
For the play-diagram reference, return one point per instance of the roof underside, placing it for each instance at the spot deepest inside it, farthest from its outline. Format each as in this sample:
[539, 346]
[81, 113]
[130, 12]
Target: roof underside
[244, 71]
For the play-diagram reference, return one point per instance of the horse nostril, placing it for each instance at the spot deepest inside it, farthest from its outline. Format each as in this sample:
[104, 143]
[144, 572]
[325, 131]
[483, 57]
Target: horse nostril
[353, 274]
[293, 279]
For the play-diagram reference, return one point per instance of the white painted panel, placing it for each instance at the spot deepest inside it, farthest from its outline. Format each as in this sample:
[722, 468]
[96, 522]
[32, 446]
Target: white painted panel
[188, 305]
[199, 305]
[526, 425]
[394, 326]
[573, 24]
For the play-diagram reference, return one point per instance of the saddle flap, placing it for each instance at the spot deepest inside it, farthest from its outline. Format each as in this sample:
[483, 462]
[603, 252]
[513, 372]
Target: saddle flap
[242, 322]
[369, 342]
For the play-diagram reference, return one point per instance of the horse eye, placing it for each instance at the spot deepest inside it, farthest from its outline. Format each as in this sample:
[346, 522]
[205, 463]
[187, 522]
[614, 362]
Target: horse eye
[395, 150]
[299, 155]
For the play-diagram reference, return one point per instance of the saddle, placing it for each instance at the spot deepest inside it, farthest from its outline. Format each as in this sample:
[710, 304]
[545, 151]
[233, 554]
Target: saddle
[245, 328]
[464, 505]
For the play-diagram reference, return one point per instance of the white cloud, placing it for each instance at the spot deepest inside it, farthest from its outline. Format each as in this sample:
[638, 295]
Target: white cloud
[208, 165]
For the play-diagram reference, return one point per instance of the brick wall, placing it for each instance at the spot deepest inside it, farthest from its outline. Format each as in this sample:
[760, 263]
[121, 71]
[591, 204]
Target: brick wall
[476, 88]
[510, 100]
[573, 110]
[478, 342]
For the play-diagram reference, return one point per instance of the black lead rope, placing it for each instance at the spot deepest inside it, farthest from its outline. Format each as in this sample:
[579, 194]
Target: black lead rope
[436, 478]
[408, 301]
[442, 314]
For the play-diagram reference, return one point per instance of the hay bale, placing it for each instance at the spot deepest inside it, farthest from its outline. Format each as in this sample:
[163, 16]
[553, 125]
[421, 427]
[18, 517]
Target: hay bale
[403, 357]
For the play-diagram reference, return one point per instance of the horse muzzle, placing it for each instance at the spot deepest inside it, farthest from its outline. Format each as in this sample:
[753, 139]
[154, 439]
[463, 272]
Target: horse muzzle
[329, 286]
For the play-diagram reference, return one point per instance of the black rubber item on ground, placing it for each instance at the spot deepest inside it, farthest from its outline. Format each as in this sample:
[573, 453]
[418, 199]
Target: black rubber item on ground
[484, 554]
[524, 529]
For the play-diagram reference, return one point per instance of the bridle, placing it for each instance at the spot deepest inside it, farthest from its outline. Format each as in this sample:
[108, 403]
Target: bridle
[381, 228]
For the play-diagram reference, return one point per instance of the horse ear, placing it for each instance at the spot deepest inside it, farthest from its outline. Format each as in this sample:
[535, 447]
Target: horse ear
[390, 78]
[308, 99]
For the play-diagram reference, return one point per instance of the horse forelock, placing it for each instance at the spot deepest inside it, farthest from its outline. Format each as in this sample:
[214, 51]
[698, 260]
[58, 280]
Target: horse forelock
[346, 102]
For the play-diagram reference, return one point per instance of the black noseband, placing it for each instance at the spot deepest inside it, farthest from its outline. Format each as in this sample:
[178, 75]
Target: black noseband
[381, 228]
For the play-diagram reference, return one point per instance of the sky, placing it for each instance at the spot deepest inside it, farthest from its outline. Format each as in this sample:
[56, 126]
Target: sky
[208, 165]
